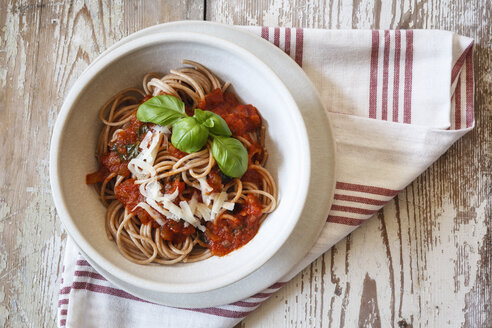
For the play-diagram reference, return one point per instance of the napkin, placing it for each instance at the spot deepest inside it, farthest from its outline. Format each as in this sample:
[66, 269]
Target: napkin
[397, 101]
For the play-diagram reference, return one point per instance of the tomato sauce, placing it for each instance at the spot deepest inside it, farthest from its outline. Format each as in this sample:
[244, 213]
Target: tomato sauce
[128, 194]
[241, 119]
[252, 176]
[122, 150]
[214, 179]
[225, 235]
[170, 185]
[176, 231]
[175, 151]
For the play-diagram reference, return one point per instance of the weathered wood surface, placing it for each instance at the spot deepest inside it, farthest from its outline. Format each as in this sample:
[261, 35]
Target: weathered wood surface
[424, 261]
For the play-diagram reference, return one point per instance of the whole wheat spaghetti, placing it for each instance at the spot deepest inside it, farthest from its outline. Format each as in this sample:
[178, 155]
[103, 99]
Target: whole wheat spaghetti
[165, 206]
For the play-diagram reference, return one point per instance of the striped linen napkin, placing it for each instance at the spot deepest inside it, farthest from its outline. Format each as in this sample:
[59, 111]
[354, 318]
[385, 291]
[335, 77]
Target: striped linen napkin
[397, 101]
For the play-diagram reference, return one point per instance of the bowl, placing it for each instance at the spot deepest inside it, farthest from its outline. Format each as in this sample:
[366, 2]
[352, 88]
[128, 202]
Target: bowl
[74, 142]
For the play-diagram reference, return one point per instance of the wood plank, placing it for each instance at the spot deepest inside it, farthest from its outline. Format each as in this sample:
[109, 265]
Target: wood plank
[430, 249]
[44, 47]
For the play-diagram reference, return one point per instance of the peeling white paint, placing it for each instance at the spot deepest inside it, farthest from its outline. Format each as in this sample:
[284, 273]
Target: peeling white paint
[4, 313]
[33, 269]
[272, 16]
[21, 77]
[10, 31]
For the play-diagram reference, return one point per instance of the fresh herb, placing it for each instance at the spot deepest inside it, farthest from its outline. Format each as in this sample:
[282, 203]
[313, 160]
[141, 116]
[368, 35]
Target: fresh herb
[190, 134]
[162, 110]
[231, 156]
[142, 130]
[213, 122]
[131, 151]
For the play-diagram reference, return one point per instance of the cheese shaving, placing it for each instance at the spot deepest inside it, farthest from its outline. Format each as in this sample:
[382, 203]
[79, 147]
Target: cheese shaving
[150, 211]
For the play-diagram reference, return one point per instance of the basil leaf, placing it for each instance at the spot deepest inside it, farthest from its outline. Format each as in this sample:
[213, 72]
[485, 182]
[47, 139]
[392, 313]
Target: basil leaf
[142, 130]
[213, 122]
[189, 135]
[131, 151]
[231, 156]
[162, 110]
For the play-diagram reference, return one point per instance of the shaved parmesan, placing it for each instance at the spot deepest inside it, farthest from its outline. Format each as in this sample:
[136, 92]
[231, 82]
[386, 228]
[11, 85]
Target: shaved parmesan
[218, 201]
[141, 169]
[142, 166]
[157, 203]
[228, 206]
[188, 214]
[161, 129]
[151, 212]
[157, 207]
[206, 190]
[203, 211]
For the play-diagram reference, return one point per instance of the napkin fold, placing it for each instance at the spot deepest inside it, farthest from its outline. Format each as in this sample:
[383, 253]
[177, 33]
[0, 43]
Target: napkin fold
[397, 101]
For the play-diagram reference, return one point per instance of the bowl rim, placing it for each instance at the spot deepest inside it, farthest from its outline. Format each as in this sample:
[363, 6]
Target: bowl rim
[73, 96]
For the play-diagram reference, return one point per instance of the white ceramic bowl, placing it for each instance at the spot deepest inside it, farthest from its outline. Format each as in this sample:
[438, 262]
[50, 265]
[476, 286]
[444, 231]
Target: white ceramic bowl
[74, 142]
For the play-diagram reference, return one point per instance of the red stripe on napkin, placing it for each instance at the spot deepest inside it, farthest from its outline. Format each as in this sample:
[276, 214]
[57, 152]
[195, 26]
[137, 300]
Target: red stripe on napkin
[89, 274]
[83, 263]
[373, 82]
[264, 32]
[361, 200]
[63, 302]
[350, 209]
[299, 45]
[459, 63]
[276, 36]
[105, 290]
[396, 78]
[407, 100]
[469, 89]
[457, 105]
[287, 41]
[223, 313]
[247, 304]
[366, 189]
[344, 220]
[385, 74]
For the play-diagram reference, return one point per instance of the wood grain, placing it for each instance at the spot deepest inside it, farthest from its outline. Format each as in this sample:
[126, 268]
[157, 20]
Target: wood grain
[44, 47]
[423, 261]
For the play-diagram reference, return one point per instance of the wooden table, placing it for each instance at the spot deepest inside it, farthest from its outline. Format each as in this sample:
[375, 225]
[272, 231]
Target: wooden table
[427, 266]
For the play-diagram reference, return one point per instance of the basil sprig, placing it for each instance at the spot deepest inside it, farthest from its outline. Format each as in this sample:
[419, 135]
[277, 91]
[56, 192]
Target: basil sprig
[190, 134]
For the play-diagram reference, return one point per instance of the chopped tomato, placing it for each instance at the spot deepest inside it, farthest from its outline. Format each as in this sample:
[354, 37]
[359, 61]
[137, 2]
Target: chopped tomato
[176, 152]
[129, 195]
[96, 177]
[225, 235]
[214, 180]
[147, 97]
[122, 150]
[170, 186]
[176, 231]
[252, 176]
[241, 119]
